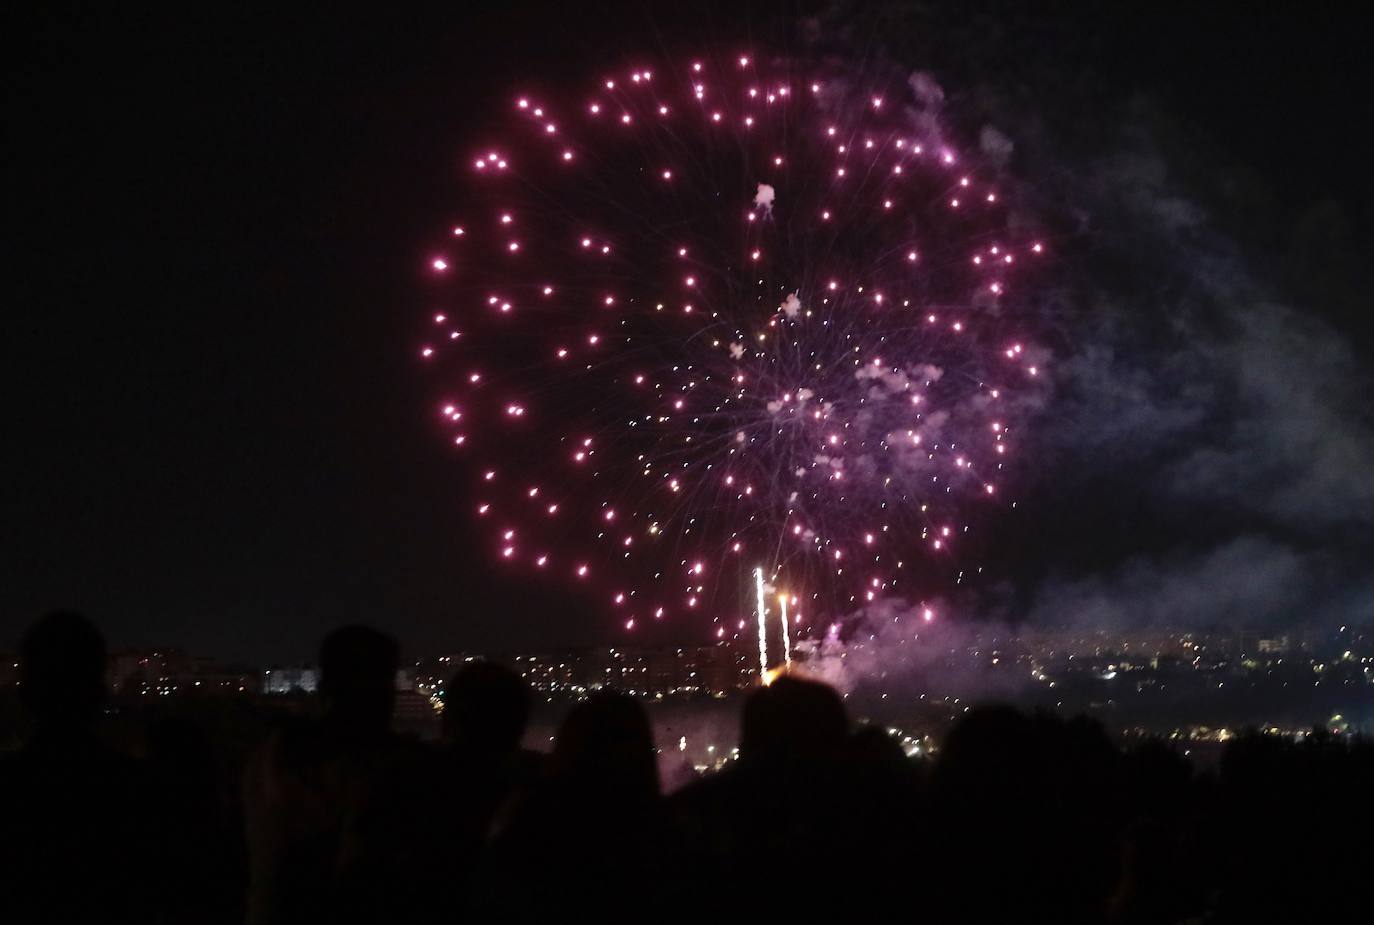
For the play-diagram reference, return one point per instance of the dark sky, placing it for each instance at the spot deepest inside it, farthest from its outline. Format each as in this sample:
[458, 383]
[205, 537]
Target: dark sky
[215, 434]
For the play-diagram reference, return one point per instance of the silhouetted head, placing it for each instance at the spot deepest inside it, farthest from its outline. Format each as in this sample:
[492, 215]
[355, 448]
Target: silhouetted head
[791, 720]
[486, 707]
[606, 743]
[358, 676]
[990, 748]
[62, 670]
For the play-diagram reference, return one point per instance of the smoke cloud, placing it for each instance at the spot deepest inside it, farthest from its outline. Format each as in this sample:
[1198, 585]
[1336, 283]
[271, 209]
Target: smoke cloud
[1206, 457]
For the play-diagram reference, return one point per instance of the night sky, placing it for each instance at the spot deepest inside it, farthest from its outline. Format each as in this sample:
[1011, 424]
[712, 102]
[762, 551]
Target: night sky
[217, 436]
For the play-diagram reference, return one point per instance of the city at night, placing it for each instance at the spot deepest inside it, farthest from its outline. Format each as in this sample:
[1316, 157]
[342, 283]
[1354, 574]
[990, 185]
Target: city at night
[703, 461]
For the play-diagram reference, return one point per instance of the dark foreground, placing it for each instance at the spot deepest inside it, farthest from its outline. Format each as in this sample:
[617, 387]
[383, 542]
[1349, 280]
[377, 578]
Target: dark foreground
[335, 818]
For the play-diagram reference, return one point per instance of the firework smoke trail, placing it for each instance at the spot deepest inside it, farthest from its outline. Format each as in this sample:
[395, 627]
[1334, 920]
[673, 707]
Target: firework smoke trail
[726, 311]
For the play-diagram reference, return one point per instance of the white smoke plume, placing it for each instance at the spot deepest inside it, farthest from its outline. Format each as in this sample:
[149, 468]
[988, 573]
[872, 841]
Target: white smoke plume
[763, 199]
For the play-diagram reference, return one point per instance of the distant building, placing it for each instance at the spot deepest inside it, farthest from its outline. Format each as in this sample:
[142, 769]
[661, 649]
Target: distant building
[216, 678]
[164, 672]
[416, 714]
[555, 672]
[670, 671]
[289, 680]
[143, 672]
[724, 669]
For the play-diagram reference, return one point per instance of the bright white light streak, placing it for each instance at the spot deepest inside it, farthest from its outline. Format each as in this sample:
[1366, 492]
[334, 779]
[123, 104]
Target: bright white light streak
[763, 632]
[786, 636]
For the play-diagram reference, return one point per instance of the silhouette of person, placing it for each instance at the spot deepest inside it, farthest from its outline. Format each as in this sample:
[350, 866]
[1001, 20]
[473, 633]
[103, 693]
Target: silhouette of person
[603, 786]
[885, 794]
[793, 723]
[785, 797]
[80, 832]
[605, 747]
[486, 710]
[205, 868]
[322, 801]
[1035, 800]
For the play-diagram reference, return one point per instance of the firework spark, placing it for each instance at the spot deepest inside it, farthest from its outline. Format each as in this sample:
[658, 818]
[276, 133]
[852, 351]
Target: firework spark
[728, 312]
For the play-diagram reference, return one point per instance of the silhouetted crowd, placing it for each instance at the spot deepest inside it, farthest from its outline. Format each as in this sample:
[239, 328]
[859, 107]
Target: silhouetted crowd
[335, 818]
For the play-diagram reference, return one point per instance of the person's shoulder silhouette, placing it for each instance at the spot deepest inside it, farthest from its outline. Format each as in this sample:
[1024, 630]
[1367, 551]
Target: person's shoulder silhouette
[80, 830]
[481, 766]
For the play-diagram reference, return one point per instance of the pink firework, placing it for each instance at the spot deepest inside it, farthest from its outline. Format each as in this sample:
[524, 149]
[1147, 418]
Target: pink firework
[719, 316]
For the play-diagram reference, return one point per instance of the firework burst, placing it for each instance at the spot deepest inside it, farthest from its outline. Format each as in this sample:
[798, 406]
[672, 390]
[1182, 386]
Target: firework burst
[716, 317]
